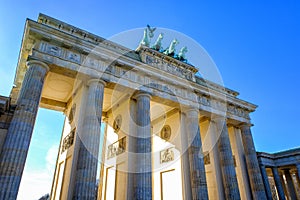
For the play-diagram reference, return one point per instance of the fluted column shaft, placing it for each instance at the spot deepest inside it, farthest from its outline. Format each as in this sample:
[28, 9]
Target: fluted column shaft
[278, 183]
[256, 181]
[89, 142]
[226, 161]
[290, 184]
[196, 162]
[266, 182]
[15, 148]
[143, 176]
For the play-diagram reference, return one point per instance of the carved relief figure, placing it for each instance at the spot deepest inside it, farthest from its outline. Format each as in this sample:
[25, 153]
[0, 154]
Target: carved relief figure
[166, 155]
[116, 148]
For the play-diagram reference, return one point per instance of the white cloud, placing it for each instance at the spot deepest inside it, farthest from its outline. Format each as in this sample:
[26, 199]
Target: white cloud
[37, 183]
[51, 158]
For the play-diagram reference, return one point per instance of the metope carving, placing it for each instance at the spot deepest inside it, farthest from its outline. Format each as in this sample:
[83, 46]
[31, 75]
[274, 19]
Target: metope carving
[166, 155]
[116, 148]
[68, 141]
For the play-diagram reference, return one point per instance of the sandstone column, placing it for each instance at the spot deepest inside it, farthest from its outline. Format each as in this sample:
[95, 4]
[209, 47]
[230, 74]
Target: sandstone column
[226, 160]
[256, 181]
[185, 164]
[290, 184]
[196, 162]
[15, 148]
[278, 184]
[89, 142]
[266, 181]
[143, 176]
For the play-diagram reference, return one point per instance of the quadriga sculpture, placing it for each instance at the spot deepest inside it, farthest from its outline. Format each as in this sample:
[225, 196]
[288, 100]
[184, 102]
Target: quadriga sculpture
[157, 45]
[171, 50]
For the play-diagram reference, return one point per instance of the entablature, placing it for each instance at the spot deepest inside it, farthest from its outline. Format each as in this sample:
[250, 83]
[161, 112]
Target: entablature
[117, 64]
[280, 159]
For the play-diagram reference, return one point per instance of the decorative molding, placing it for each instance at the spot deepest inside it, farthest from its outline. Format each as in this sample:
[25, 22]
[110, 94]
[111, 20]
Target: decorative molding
[149, 82]
[146, 81]
[117, 123]
[166, 133]
[166, 63]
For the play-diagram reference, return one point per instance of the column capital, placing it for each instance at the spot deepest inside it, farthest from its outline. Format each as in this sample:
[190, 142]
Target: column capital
[190, 109]
[37, 62]
[245, 125]
[141, 93]
[219, 119]
[94, 80]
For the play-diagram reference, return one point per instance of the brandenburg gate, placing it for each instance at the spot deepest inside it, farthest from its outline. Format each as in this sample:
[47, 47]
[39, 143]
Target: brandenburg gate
[140, 124]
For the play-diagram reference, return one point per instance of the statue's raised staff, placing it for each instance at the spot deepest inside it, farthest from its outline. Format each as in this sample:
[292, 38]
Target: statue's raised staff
[171, 50]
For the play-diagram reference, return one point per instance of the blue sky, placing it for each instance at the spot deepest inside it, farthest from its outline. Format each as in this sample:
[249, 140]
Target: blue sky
[255, 46]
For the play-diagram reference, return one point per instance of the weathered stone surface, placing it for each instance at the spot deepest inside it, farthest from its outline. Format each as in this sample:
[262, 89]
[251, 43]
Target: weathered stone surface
[143, 170]
[15, 148]
[257, 185]
[226, 160]
[266, 182]
[196, 163]
[278, 183]
[290, 184]
[89, 142]
[298, 173]
[186, 177]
